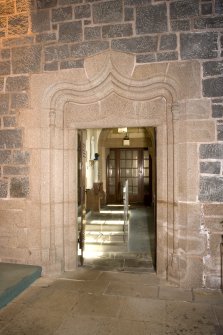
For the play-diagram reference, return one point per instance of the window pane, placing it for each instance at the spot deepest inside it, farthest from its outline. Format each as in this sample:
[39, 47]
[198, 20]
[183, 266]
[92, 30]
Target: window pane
[135, 154]
[135, 164]
[128, 154]
[129, 164]
[122, 154]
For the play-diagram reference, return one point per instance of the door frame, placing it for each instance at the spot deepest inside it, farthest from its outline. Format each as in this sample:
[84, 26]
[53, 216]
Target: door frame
[70, 105]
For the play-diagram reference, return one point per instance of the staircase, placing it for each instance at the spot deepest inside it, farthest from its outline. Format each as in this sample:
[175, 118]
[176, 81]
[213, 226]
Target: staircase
[112, 243]
[106, 233]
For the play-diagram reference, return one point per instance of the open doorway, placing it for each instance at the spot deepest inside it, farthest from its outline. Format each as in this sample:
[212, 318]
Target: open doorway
[107, 159]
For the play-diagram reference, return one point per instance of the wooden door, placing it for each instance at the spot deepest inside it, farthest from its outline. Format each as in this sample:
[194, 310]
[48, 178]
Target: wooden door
[132, 165]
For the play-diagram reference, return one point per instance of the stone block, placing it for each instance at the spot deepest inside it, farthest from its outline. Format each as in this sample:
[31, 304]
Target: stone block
[62, 14]
[181, 72]
[53, 66]
[184, 8]
[3, 188]
[53, 53]
[4, 104]
[210, 167]
[191, 271]
[213, 281]
[217, 111]
[165, 56]
[128, 14]
[46, 3]
[214, 242]
[109, 11]
[9, 121]
[220, 132]
[213, 87]
[19, 187]
[151, 19]
[212, 151]
[20, 41]
[22, 5]
[11, 138]
[206, 8]
[213, 224]
[5, 156]
[168, 42]
[26, 60]
[198, 45]
[20, 157]
[135, 44]
[92, 33]
[87, 22]
[18, 24]
[189, 216]
[211, 189]
[117, 30]
[45, 37]
[209, 22]
[136, 2]
[196, 131]
[3, 22]
[72, 64]
[82, 11]
[88, 48]
[15, 170]
[213, 68]
[195, 109]
[5, 53]
[213, 210]
[69, 2]
[188, 177]
[70, 31]
[7, 8]
[19, 100]
[18, 83]
[192, 242]
[219, 7]
[5, 68]
[40, 21]
[146, 58]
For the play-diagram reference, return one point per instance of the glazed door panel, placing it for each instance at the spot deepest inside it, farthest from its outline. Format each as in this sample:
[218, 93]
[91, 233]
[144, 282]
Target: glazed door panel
[128, 164]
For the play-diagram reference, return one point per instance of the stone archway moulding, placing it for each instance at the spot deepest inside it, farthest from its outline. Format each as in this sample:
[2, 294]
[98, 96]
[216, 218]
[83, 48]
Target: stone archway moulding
[56, 96]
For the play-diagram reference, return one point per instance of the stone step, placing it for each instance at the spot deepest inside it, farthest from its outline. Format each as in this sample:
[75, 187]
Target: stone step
[104, 227]
[105, 237]
[103, 248]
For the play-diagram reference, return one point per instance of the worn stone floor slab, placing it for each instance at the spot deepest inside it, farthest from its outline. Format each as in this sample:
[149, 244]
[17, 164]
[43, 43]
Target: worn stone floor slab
[175, 293]
[113, 303]
[132, 290]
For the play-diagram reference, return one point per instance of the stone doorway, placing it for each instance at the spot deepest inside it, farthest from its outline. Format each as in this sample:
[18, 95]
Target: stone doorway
[110, 90]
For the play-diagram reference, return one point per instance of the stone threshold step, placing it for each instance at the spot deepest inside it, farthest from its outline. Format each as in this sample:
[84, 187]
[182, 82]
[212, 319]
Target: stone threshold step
[15, 278]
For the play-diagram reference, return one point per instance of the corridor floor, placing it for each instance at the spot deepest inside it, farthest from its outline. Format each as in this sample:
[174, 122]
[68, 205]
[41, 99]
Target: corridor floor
[139, 250]
[95, 302]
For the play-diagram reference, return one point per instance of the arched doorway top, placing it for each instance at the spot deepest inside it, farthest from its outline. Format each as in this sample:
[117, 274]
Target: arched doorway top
[108, 80]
